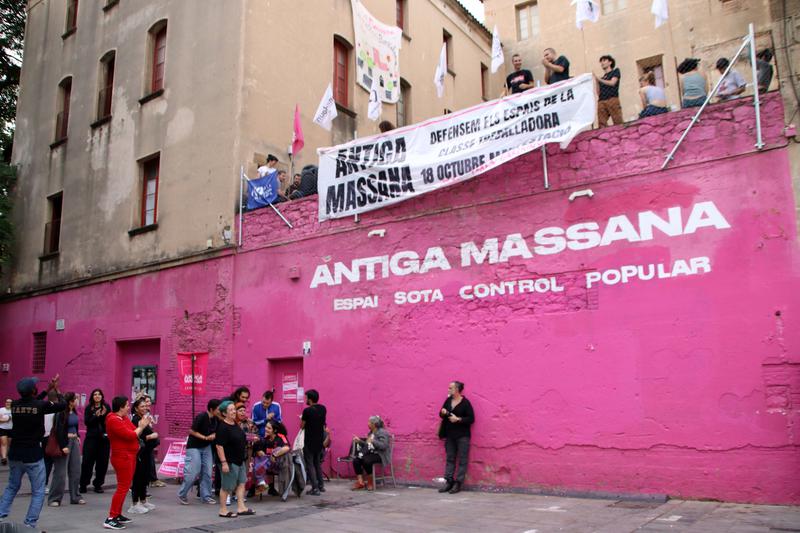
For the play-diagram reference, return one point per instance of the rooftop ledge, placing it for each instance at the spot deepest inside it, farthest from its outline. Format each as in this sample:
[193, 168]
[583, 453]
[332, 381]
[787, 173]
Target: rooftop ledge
[726, 129]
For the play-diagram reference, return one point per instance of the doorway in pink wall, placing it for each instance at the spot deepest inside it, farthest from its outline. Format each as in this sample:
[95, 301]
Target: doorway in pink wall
[138, 370]
[286, 379]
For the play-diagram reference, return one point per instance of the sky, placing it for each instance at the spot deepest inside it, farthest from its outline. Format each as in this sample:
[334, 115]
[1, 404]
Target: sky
[475, 7]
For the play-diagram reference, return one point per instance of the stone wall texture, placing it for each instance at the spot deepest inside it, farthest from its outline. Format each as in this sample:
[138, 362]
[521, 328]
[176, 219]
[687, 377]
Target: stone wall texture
[686, 385]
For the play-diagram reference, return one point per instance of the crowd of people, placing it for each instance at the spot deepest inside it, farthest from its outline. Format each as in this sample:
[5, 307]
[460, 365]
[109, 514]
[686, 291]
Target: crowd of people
[301, 185]
[694, 85]
[232, 452]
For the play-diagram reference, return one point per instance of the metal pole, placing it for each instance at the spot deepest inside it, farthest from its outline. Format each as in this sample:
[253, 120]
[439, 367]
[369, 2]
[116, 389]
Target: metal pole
[282, 217]
[756, 101]
[241, 189]
[544, 157]
[193, 356]
[696, 117]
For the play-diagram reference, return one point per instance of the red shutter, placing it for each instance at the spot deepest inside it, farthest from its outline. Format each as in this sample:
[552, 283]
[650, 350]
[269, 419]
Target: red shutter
[150, 192]
[400, 15]
[159, 58]
[340, 73]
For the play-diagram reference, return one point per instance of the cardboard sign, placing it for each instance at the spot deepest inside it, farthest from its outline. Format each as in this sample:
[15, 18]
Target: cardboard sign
[173, 461]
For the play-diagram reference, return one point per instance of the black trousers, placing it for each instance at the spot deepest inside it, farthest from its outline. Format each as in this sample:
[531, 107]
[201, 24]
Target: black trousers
[456, 448]
[364, 464]
[313, 460]
[141, 476]
[48, 463]
[153, 474]
[95, 457]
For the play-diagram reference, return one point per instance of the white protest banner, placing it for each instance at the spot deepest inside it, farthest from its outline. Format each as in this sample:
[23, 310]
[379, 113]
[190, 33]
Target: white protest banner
[326, 111]
[377, 53]
[441, 70]
[378, 171]
[660, 9]
[374, 107]
[497, 51]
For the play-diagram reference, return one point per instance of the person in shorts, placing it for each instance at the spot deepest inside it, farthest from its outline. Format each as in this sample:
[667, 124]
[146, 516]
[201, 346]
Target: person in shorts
[231, 445]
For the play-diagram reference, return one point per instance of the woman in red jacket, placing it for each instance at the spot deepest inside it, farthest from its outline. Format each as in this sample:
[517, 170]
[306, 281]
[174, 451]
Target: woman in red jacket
[124, 438]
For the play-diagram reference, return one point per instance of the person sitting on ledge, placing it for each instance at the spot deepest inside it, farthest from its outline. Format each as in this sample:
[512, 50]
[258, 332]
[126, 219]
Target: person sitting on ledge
[654, 100]
[369, 451]
[308, 182]
[266, 452]
[694, 83]
[732, 85]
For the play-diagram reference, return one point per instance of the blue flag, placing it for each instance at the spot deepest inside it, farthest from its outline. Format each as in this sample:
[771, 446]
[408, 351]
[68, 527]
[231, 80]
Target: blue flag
[262, 191]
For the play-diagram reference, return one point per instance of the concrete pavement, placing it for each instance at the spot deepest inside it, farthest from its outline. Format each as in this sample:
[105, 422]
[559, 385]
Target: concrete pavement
[417, 509]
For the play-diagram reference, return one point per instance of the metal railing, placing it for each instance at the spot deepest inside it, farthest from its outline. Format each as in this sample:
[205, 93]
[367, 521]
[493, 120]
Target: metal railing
[749, 40]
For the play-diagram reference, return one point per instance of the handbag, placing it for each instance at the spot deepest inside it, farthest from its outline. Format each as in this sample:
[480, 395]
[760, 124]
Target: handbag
[53, 449]
[299, 440]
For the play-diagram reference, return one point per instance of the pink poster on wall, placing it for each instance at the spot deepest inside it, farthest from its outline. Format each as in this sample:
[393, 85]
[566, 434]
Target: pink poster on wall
[289, 386]
[185, 372]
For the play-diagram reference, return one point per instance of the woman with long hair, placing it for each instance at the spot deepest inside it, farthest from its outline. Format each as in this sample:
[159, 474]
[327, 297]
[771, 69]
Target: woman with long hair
[266, 452]
[653, 98]
[65, 426]
[144, 458]
[96, 447]
[124, 439]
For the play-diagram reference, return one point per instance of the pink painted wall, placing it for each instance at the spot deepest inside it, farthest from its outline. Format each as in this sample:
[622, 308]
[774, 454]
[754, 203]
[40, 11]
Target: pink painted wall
[688, 386]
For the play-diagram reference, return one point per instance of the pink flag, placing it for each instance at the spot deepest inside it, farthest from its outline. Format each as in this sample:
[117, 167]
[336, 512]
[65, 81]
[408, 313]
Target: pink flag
[298, 141]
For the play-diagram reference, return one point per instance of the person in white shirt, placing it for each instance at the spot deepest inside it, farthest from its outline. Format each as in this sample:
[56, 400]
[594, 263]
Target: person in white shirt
[269, 167]
[732, 85]
[5, 430]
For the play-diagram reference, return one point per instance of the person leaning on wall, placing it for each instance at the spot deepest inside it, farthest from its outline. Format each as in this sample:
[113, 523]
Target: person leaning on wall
[457, 417]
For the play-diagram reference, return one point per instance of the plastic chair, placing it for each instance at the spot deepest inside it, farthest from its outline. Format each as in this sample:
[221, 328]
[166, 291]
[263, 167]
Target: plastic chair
[384, 466]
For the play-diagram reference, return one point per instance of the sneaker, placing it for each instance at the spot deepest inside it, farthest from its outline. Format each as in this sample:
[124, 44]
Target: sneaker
[210, 501]
[149, 506]
[123, 519]
[322, 489]
[183, 500]
[99, 490]
[138, 508]
[158, 483]
[314, 492]
[113, 523]
[54, 504]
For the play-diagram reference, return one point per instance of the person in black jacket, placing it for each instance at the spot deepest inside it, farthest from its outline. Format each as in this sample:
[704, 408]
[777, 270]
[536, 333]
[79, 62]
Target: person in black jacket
[26, 454]
[457, 417]
[96, 448]
[308, 182]
[65, 428]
